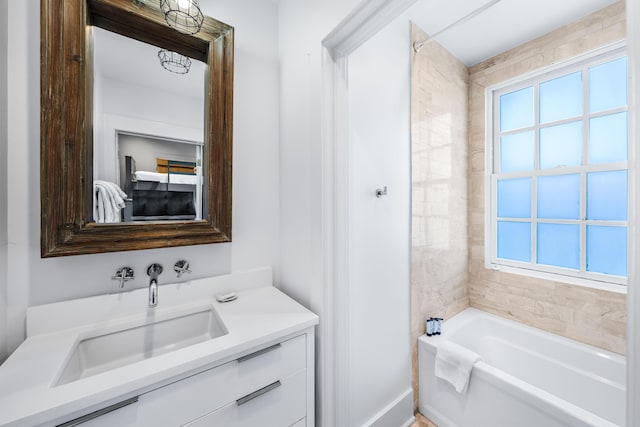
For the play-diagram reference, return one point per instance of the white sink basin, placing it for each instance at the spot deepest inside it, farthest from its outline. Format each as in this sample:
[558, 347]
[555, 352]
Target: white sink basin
[116, 349]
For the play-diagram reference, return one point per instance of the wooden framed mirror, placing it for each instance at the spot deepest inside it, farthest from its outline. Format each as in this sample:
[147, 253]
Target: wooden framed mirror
[68, 216]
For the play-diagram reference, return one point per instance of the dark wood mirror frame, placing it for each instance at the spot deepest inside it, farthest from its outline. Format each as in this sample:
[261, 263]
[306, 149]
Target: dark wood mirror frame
[66, 149]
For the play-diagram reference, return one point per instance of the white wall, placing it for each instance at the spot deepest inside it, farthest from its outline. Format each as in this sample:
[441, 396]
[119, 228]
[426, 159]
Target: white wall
[379, 243]
[32, 280]
[23, 149]
[302, 26]
[130, 100]
[256, 232]
[150, 110]
[3, 178]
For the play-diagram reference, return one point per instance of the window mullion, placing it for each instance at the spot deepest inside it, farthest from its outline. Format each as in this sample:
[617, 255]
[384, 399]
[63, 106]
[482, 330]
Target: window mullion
[607, 112]
[495, 161]
[534, 178]
[494, 217]
[583, 222]
[495, 165]
[585, 164]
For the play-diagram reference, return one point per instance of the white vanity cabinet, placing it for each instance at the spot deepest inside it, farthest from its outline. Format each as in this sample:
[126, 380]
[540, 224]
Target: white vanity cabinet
[270, 386]
[110, 361]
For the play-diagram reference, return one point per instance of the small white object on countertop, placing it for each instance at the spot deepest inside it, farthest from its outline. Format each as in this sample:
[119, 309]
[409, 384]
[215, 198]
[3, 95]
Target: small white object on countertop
[28, 396]
[231, 296]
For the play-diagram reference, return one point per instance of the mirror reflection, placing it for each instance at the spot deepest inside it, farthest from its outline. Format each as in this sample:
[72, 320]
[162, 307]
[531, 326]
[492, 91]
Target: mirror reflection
[148, 109]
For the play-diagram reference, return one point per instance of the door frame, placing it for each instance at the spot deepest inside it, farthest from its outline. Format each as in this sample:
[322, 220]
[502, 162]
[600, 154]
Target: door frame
[633, 293]
[359, 26]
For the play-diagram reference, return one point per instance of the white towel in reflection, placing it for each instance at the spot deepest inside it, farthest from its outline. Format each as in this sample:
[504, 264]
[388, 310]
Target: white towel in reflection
[454, 364]
[109, 200]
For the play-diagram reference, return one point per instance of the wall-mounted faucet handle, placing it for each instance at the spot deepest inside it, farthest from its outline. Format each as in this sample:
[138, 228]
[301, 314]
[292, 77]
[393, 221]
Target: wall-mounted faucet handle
[124, 274]
[154, 270]
[181, 267]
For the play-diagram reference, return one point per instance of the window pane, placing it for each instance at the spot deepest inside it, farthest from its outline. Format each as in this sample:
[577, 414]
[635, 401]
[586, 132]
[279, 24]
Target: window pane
[514, 240]
[559, 197]
[559, 245]
[561, 145]
[607, 195]
[608, 138]
[607, 250]
[561, 98]
[608, 85]
[516, 109]
[516, 152]
[514, 198]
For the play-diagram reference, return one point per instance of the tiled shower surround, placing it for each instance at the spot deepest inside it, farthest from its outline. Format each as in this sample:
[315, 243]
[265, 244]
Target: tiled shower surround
[439, 255]
[448, 161]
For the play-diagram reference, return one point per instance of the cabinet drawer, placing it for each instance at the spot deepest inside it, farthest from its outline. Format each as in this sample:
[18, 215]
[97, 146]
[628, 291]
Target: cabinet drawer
[120, 414]
[200, 394]
[195, 396]
[269, 364]
[281, 406]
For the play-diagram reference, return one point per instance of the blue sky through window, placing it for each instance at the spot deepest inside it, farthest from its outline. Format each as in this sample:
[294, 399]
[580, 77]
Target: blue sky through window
[561, 145]
[559, 245]
[608, 140]
[514, 240]
[559, 196]
[547, 215]
[517, 152]
[514, 198]
[516, 109]
[561, 98]
[608, 85]
[607, 250]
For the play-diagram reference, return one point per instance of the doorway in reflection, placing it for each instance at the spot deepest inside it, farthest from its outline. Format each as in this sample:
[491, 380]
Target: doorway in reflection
[148, 134]
[162, 179]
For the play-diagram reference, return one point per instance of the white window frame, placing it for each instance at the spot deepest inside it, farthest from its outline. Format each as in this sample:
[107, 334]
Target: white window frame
[492, 158]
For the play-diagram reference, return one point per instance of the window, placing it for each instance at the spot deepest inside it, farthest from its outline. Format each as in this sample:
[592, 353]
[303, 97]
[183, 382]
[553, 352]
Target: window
[557, 177]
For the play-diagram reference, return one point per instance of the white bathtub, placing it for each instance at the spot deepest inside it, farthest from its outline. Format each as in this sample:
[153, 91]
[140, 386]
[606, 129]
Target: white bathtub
[527, 378]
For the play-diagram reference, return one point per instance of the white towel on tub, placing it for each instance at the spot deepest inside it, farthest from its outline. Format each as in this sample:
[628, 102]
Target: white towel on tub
[454, 364]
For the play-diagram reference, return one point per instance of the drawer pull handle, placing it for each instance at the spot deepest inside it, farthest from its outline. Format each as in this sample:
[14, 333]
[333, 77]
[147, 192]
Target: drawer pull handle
[258, 393]
[99, 413]
[259, 353]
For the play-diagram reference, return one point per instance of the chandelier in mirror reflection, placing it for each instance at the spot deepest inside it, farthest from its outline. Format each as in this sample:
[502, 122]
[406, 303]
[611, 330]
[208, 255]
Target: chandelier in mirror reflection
[174, 62]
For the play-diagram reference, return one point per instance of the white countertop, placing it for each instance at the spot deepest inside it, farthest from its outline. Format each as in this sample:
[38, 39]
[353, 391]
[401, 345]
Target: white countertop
[27, 395]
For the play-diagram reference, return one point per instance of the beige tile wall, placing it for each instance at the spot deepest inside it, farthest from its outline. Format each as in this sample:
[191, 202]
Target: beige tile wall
[591, 316]
[439, 268]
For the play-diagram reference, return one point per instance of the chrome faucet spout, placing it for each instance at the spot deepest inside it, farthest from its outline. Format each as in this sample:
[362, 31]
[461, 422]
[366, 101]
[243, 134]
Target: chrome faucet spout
[153, 271]
[153, 293]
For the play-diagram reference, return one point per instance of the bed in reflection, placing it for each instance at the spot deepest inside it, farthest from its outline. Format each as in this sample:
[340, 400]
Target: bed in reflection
[169, 193]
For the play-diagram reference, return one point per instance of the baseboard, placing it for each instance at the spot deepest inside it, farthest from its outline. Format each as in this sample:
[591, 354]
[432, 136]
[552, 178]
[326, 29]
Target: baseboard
[397, 413]
[435, 416]
[410, 422]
